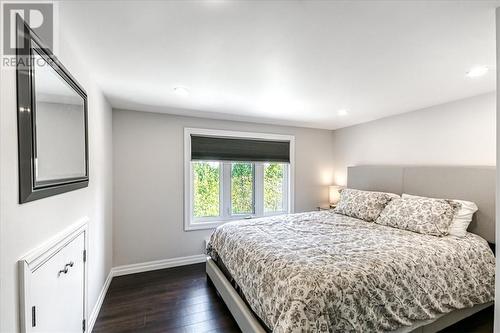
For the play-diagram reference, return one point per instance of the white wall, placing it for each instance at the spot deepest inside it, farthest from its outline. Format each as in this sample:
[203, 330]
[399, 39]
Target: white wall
[148, 181]
[23, 227]
[456, 133]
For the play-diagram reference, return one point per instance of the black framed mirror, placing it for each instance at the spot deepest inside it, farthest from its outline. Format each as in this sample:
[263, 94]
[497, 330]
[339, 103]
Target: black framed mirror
[52, 121]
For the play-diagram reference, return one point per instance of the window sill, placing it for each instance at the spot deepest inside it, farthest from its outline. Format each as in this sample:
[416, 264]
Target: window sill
[204, 225]
[192, 226]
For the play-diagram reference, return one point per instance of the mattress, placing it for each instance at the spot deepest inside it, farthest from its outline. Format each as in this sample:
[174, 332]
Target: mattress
[324, 272]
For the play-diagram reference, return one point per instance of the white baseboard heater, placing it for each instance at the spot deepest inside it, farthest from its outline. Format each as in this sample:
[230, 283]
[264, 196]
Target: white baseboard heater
[53, 283]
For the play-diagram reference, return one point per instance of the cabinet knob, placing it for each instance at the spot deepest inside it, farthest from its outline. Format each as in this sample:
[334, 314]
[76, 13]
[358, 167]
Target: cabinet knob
[65, 269]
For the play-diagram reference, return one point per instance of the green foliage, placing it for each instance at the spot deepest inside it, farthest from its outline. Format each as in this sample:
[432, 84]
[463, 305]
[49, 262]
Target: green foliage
[206, 189]
[206, 178]
[242, 188]
[273, 187]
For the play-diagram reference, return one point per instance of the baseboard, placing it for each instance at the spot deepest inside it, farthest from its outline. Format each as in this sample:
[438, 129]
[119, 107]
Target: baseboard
[97, 307]
[138, 268]
[158, 264]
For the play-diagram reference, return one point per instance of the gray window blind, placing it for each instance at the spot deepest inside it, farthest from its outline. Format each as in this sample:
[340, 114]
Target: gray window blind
[233, 149]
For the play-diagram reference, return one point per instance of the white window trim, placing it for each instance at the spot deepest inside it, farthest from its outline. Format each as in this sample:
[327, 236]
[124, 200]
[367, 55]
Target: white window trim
[189, 223]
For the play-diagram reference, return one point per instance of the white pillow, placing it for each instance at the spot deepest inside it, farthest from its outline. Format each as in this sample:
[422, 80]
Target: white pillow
[461, 219]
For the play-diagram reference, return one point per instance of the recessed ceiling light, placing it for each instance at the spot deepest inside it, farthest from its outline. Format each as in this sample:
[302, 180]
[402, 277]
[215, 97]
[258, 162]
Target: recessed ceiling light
[477, 71]
[181, 91]
[342, 112]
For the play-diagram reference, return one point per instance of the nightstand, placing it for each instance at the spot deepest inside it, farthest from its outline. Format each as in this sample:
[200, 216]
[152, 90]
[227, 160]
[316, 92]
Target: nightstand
[325, 208]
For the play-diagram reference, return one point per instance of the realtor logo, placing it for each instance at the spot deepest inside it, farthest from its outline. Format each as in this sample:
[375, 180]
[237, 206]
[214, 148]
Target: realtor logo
[39, 16]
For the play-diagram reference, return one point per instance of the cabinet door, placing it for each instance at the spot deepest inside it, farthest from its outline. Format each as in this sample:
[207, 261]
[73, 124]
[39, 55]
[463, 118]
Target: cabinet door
[58, 297]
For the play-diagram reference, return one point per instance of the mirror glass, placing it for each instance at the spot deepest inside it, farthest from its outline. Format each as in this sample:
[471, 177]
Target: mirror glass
[59, 126]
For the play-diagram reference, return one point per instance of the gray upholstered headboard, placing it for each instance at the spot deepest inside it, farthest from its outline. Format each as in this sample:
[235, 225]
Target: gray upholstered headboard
[475, 184]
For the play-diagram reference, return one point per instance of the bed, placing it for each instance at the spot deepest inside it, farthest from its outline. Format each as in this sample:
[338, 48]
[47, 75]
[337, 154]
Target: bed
[325, 272]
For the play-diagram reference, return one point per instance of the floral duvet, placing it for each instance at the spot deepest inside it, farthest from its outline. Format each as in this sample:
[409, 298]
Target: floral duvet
[325, 272]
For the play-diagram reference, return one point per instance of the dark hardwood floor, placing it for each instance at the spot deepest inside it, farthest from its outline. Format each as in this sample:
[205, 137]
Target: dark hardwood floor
[180, 300]
[168, 300]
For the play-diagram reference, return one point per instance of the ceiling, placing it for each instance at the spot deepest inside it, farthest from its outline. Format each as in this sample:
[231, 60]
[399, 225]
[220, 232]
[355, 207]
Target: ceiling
[284, 62]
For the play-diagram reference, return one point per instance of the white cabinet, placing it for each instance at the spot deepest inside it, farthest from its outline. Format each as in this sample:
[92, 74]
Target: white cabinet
[53, 285]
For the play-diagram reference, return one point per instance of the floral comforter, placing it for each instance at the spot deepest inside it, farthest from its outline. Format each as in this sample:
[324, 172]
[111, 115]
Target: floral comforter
[325, 272]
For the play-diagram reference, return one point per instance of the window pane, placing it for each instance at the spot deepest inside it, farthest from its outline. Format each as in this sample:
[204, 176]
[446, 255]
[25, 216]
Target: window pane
[206, 181]
[274, 183]
[242, 188]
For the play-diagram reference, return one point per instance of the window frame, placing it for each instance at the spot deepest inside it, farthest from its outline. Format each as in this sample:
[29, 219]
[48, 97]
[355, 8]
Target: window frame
[193, 223]
[229, 198]
[204, 219]
[286, 193]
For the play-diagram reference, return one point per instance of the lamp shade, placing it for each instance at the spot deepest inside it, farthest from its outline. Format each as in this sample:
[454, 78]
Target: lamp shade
[334, 193]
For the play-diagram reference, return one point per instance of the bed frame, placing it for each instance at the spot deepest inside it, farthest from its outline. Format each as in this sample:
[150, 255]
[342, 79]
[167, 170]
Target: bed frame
[475, 184]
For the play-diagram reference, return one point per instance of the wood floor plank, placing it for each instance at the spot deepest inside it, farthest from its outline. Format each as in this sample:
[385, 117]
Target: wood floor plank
[181, 300]
[170, 300]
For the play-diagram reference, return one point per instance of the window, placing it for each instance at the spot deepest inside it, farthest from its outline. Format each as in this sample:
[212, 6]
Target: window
[242, 188]
[206, 186]
[220, 188]
[274, 187]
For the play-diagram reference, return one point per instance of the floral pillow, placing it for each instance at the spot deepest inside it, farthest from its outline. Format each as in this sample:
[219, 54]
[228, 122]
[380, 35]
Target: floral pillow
[422, 215]
[364, 205]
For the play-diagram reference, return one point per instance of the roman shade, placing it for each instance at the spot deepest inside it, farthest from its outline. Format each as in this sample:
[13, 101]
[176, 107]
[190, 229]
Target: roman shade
[236, 149]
